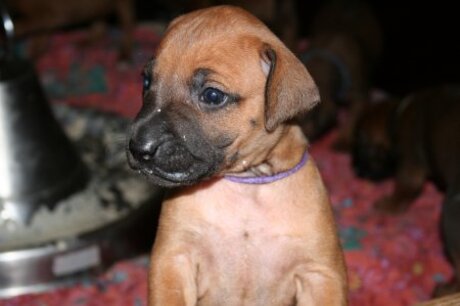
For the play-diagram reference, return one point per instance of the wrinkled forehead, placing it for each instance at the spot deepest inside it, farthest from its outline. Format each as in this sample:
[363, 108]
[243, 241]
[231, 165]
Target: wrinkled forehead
[228, 57]
[218, 38]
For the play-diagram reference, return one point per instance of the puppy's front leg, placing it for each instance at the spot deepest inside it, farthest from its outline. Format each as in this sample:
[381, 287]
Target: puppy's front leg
[320, 287]
[172, 280]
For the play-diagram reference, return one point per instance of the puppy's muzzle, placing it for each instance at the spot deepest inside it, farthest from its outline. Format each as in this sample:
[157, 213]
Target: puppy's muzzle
[167, 157]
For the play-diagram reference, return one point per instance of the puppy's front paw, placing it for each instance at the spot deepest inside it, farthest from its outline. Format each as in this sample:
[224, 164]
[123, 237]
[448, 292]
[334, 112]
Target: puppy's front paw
[390, 205]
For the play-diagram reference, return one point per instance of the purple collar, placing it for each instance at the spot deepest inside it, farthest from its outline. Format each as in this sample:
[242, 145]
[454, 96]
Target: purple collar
[269, 178]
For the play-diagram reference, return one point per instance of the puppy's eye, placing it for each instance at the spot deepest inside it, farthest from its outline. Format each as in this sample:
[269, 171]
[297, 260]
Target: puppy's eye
[146, 81]
[213, 97]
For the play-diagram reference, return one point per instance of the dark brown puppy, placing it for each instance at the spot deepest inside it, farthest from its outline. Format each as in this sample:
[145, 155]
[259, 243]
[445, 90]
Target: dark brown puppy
[219, 100]
[416, 139]
[346, 42]
[39, 17]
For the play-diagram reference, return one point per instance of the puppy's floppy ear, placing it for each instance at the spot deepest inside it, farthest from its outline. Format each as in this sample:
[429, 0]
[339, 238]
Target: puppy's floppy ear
[290, 90]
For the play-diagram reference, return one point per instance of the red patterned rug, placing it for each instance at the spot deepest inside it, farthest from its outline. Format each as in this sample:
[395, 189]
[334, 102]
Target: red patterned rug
[391, 260]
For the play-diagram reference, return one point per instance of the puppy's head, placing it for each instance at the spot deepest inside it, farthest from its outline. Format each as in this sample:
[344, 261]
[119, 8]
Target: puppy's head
[373, 152]
[216, 97]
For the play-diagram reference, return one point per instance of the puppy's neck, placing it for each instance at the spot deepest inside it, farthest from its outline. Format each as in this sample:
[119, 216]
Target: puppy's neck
[286, 155]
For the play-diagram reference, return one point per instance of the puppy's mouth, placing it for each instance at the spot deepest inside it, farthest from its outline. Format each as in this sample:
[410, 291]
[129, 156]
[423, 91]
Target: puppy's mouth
[172, 164]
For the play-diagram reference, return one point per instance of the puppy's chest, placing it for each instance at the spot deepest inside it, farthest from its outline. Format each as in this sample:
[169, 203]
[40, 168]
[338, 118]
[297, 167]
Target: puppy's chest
[249, 259]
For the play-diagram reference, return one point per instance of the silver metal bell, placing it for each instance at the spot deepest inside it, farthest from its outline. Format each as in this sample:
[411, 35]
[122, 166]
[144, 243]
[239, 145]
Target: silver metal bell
[38, 163]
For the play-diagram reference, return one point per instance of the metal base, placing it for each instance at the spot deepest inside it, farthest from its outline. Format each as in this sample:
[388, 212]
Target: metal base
[66, 262]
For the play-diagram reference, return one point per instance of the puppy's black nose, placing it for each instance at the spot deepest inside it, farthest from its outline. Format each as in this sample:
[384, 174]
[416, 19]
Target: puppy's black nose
[142, 151]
